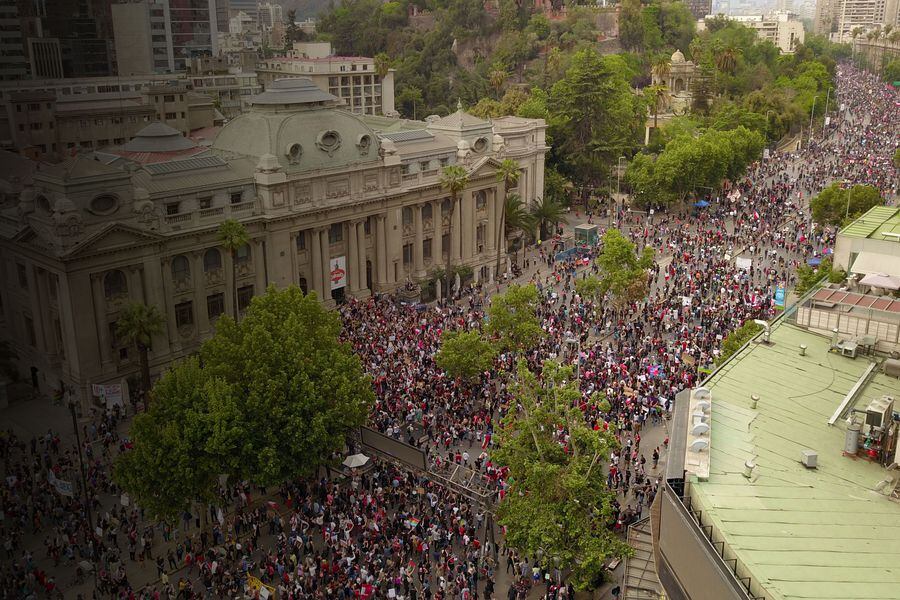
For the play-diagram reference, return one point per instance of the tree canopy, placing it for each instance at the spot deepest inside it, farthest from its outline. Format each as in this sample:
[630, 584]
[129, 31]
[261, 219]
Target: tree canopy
[513, 319]
[836, 205]
[623, 274]
[465, 354]
[558, 507]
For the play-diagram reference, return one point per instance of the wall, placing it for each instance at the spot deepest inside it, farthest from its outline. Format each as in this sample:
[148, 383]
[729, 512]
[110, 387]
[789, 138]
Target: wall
[134, 52]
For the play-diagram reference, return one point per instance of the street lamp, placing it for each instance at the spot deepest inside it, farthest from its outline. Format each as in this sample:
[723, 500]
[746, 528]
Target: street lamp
[827, 98]
[847, 212]
[84, 488]
[811, 114]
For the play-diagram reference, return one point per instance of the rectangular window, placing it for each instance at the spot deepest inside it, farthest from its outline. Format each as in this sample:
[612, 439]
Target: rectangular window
[444, 162]
[479, 238]
[236, 197]
[426, 248]
[367, 226]
[23, 276]
[29, 331]
[445, 243]
[172, 208]
[170, 116]
[35, 126]
[168, 98]
[424, 165]
[245, 295]
[480, 201]
[215, 305]
[407, 254]
[99, 122]
[113, 328]
[204, 202]
[184, 314]
[301, 240]
[335, 233]
[404, 169]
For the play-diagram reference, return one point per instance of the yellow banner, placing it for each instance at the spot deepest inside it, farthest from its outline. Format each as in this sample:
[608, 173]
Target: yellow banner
[254, 584]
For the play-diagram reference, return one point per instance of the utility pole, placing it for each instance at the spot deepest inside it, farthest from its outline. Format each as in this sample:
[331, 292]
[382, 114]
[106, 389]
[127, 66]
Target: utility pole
[84, 490]
[827, 98]
[811, 114]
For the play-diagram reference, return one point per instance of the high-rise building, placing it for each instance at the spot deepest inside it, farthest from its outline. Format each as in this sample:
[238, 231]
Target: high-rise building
[194, 30]
[839, 18]
[699, 8]
[45, 58]
[13, 62]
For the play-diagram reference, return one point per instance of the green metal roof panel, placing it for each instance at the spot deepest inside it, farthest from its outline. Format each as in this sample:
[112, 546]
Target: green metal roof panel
[802, 534]
[875, 221]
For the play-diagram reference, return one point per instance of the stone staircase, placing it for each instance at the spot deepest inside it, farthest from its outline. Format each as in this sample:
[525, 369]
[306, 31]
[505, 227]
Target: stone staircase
[640, 581]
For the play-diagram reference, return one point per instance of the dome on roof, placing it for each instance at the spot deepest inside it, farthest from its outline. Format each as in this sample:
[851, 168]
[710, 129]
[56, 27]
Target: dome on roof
[677, 57]
[158, 137]
[285, 92]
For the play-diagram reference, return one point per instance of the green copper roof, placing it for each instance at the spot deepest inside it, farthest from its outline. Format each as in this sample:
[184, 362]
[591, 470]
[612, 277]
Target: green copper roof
[818, 534]
[878, 220]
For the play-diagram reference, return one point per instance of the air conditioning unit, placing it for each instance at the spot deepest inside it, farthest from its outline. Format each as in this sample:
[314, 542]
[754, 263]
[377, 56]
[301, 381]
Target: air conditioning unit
[880, 412]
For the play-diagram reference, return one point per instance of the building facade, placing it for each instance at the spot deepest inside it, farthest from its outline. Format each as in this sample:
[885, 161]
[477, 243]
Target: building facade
[334, 202]
[351, 78]
[782, 28]
[13, 61]
[699, 8]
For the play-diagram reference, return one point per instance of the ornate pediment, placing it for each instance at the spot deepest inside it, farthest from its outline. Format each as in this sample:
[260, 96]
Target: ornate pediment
[113, 237]
[484, 167]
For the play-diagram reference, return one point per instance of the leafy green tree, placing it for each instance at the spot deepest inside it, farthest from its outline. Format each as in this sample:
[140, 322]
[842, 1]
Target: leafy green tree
[172, 462]
[233, 236]
[409, 98]
[631, 25]
[558, 508]
[737, 338]
[594, 115]
[136, 325]
[658, 97]
[454, 179]
[513, 320]
[836, 205]
[382, 64]
[517, 218]
[297, 388]
[465, 354]
[498, 78]
[623, 274]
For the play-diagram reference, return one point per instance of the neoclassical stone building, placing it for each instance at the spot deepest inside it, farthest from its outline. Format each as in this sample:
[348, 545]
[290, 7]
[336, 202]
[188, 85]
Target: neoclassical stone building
[338, 203]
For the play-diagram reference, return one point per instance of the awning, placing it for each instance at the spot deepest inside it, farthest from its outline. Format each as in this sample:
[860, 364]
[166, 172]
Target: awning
[868, 263]
[880, 280]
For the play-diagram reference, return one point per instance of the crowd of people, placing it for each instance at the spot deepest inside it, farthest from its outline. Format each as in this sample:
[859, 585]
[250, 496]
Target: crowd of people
[392, 533]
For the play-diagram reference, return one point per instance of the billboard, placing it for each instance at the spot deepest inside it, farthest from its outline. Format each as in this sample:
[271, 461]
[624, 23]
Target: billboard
[338, 272]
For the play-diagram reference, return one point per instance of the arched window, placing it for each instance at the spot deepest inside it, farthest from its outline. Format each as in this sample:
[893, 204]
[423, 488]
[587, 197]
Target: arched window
[181, 268]
[212, 260]
[480, 200]
[426, 211]
[114, 284]
[243, 254]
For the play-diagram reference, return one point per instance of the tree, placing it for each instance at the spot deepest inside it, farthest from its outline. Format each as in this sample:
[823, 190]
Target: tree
[517, 218]
[382, 64]
[661, 68]
[547, 213]
[409, 98]
[557, 508]
[836, 205]
[172, 461]
[631, 26]
[594, 115]
[658, 96]
[8, 358]
[136, 325]
[736, 339]
[298, 389]
[233, 236]
[726, 60]
[623, 273]
[454, 179]
[513, 320]
[497, 78]
[508, 172]
[464, 354]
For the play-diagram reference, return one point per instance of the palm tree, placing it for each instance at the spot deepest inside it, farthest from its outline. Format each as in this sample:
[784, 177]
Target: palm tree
[454, 179]
[8, 358]
[547, 212]
[137, 324]
[726, 60]
[233, 236]
[661, 68]
[658, 96]
[382, 64]
[508, 172]
[497, 78]
[517, 218]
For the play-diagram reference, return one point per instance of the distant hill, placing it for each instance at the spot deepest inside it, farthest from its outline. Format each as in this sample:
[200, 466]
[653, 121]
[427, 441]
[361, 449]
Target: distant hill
[305, 8]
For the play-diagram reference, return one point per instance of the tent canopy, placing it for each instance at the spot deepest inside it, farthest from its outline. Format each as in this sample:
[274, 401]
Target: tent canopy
[701, 203]
[870, 263]
[881, 280]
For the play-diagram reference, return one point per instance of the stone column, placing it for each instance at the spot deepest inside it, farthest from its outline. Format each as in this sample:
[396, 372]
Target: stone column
[198, 280]
[418, 260]
[380, 251]
[326, 264]
[456, 235]
[100, 316]
[499, 194]
[437, 220]
[315, 248]
[353, 259]
[169, 291]
[135, 288]
[361, 246]
[493, 223]
[230, 284]
[259, 267]
[468, 226]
